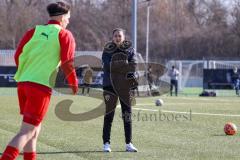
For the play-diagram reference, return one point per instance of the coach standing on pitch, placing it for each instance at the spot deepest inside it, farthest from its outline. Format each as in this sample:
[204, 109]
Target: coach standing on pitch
[38, 55]
[115, 74]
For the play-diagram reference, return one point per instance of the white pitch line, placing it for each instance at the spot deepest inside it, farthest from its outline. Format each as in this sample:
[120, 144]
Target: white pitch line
[146, 104]
[144, 109]
[152, 104]
[193, 113]
[210, 99]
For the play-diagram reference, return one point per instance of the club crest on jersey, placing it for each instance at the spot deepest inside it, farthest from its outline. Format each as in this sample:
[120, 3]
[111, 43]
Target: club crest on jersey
[107, 97]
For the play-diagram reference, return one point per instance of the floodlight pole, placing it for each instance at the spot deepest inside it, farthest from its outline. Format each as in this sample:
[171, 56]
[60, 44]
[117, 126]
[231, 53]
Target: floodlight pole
[134, 24]
[147, 32]
[175, 29]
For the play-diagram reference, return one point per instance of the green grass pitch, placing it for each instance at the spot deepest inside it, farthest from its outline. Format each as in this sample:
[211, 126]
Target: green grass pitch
[184, 128]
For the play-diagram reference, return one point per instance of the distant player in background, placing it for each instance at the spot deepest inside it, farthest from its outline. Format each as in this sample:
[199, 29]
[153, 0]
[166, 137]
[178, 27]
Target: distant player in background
[150, 78]
[173, 74]
[235, 77]
[37, 57]
[87, 79]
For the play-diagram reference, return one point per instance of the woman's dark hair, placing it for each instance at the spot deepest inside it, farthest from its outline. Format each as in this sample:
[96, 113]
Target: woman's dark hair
[58, 8]
[119, 30]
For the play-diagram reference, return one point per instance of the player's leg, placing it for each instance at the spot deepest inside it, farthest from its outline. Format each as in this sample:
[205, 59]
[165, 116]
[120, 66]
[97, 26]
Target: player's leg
[235, 86]
[111, 101]
[83, 88]
[150, 89]
[237, 83]
[30, 148]
[125, 100]
[11, 151]
[88, 88]
[176, 87]
[26, 132]
[171, 87]
[126, 108]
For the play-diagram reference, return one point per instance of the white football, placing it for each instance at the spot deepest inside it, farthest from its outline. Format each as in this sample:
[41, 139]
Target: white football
[159, 102]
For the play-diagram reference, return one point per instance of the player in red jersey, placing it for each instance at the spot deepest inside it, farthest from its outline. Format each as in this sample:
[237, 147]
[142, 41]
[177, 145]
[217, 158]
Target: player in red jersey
[39, 53]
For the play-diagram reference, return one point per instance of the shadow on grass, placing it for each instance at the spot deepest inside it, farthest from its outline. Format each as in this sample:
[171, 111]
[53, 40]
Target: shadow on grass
[73, 152]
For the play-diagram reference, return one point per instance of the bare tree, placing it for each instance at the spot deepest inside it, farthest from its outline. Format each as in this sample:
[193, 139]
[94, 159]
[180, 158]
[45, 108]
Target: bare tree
[179, 29]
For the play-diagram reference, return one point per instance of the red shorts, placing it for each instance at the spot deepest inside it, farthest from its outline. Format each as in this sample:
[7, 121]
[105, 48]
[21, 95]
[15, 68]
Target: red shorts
[33, 101]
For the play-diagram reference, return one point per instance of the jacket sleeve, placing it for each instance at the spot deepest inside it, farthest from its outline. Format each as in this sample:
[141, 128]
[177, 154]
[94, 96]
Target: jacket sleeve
[106, 62]
[132, 60]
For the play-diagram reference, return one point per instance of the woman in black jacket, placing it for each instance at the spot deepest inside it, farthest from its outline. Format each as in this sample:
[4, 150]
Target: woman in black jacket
[119, 61]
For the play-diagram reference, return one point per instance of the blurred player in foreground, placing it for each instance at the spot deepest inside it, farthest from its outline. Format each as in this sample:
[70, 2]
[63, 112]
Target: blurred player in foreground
[37, 57]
